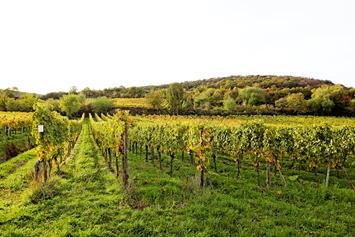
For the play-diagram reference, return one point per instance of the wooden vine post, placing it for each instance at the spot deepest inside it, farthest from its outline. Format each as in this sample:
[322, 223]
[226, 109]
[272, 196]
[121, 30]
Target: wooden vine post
[41, 135]
[125, 175]
[36, 173]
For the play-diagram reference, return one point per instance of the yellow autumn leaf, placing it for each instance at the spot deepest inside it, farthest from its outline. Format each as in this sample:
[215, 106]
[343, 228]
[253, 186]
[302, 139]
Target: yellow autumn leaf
[311, 165]
[198, 150]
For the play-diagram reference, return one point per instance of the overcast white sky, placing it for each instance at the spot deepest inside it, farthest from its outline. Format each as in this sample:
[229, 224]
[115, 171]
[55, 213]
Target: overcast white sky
[50, 45]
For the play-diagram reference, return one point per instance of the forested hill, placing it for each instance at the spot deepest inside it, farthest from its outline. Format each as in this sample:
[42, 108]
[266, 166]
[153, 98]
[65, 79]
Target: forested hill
[260, 81]
[216, 96]
[243, 95]
[230, 82]
[264, 82]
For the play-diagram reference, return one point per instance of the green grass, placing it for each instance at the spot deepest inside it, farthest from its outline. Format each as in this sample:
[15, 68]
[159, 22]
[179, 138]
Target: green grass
[16, 175]
[85, 199]
[11, 165]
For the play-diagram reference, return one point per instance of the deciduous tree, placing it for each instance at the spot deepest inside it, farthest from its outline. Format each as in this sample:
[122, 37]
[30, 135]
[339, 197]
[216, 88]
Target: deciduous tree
[252, 96]
[297, 103]
[229, 104]
[70, 104]
[155, 99]
[175, 97]
[102, 105]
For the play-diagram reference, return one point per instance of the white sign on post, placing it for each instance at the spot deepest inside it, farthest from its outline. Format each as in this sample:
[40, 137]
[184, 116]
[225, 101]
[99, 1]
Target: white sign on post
[40, 128]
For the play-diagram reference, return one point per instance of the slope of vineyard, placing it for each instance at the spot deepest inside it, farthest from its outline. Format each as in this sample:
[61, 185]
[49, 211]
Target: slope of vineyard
[279, 120]
[15, 120]
[86, 199]
[310, 147]
[313, 148]
[131, 102]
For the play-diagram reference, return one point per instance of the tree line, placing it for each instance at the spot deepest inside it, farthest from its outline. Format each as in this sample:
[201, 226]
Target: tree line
[216, 96]
[71, 104]
[323, 99]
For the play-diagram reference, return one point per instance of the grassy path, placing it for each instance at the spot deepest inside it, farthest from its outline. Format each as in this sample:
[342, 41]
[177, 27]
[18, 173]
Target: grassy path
[80, 202]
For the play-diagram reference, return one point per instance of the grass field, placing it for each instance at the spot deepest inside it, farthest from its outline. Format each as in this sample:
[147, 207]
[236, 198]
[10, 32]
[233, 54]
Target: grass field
[85, 199]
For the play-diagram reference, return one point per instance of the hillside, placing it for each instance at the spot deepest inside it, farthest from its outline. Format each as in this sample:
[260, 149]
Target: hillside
[255, 94]
[86, 196]
[264, 82]
[267, 81]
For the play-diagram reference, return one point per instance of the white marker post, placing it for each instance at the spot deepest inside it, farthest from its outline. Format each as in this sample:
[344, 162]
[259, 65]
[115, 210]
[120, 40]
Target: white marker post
[41, 130]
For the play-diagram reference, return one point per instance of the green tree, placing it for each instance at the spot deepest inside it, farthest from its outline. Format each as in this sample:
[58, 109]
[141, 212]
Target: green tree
[201, 100]
[230, 83]
[23, 104]
[3, 100]
[52, 104]
[351, 93]
[188, 100]
[281, 103]
[28, 100]
[218, 96]
[352, 105]
[102, 105]
[135, 92]
[252, 96]
[87, 92]
[5, 95]
[322, 99]
[233, 93]
[229, 104]
[321, 106]
[13, 105]
[175, 97]
[12, 92]
[70, 104]
[53, 95]
[73, 90]
[341, 99]
[297, 103]
[155, 99]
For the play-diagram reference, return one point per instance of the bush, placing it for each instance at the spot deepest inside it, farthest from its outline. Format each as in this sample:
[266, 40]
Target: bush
[102, 105]
[229, 104]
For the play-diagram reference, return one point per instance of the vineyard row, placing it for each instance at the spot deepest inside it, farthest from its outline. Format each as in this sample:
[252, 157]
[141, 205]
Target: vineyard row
[250, 141]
